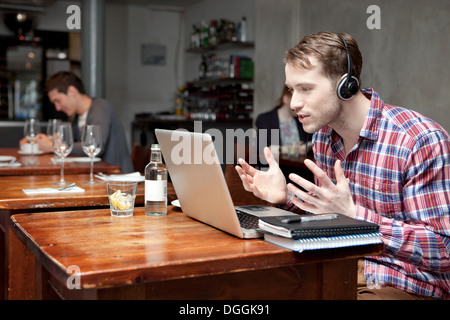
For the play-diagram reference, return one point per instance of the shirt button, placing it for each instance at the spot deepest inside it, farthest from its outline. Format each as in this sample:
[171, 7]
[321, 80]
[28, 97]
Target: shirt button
[377, 187]
[348, 180]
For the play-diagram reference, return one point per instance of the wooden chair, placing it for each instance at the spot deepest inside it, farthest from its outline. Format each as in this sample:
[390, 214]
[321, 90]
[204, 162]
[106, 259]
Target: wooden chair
[140, 156]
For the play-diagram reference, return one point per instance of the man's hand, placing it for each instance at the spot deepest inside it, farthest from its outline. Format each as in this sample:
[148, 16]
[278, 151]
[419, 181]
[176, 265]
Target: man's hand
[329, 197]
[43, 141]
[268, 185]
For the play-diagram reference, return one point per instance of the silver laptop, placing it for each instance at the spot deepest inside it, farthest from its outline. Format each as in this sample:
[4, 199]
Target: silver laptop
[200, 185]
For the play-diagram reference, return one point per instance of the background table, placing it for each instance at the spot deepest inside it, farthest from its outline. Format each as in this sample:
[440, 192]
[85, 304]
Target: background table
[174, 257]
[46, 166]
[16, 279]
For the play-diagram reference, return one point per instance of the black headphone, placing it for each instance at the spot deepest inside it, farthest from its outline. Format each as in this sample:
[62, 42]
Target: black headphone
[348, 86]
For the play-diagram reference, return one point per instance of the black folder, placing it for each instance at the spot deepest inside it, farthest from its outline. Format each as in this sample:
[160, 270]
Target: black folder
[315, 226]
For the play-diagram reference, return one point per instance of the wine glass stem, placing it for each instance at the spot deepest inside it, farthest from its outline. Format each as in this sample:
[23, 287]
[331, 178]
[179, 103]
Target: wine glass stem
[92, 170]
[62, 170]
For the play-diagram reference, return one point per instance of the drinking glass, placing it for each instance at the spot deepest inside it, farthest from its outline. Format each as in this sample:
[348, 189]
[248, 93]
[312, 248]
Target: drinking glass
[30, 131]
[91, 141]
[62, 146]
[51, 126]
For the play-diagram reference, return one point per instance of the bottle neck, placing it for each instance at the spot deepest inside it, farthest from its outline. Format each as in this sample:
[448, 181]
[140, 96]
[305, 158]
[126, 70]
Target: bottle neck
[155, 156]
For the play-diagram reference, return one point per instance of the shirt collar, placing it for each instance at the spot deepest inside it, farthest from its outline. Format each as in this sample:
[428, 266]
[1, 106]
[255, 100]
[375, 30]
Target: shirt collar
[371, 124]
[369, 129]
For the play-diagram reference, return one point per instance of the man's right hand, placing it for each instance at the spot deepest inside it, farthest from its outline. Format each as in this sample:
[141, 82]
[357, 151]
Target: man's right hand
[267, 185]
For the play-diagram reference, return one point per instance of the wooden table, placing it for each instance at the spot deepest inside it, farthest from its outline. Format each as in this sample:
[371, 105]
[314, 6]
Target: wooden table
[90, 255]
[46, 166]
[13, 255]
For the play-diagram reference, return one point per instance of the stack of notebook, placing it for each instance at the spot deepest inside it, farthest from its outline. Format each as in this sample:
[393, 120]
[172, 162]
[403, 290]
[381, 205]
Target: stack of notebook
[312, 232]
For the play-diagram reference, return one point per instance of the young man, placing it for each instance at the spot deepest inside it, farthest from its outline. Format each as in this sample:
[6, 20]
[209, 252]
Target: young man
[66, 91]
[374, 162]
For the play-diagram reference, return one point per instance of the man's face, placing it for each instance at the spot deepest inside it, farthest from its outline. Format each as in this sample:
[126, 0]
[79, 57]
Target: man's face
[314, 98]
[62, 101]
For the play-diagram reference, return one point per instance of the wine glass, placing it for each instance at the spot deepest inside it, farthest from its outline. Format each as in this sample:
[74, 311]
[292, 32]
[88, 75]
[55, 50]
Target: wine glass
[91, 141]
[51, 126]
[62, 146]
[31, 131]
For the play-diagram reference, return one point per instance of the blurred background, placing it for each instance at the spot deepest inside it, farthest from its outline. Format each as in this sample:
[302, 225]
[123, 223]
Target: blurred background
[166, 63]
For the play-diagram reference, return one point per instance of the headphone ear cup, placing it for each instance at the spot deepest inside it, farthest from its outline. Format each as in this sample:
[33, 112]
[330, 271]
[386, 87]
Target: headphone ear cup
[347, 89]
[353, 86]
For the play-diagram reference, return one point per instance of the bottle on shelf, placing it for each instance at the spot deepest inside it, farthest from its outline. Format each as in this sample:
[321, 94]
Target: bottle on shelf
[178, 106]
[155, 184]
[204, 35]
[212, 33]
[195, 37]
[243, 30]
[202, 68]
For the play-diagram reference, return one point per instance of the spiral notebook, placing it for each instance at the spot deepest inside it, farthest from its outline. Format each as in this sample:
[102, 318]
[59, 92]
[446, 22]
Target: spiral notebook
[312, 232]
[325, 242]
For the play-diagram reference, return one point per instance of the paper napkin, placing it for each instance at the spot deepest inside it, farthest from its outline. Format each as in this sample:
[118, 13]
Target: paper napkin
[10, 165]
[53, 190]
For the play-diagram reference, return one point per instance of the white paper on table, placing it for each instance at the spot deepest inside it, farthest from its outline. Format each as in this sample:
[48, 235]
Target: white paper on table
[10, 165]
[53, 190]
[128, 177]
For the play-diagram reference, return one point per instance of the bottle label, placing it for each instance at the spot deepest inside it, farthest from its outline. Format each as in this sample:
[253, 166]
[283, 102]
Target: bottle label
[155, 190]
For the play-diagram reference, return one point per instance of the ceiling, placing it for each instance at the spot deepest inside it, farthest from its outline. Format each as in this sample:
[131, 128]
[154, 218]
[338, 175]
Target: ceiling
[40, 5]
[179, 3]
[26, 8]
[165, 3]
[26, 5]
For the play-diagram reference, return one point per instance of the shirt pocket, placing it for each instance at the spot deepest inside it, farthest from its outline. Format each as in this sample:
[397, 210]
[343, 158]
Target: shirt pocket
[384, 197]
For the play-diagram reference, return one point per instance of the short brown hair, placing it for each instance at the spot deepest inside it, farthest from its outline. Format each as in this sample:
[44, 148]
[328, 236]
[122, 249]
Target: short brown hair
[62, 80]
[329, 49]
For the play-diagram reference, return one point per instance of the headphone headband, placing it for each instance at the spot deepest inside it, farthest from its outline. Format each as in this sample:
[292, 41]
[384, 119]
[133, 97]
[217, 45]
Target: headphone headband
[348, 86]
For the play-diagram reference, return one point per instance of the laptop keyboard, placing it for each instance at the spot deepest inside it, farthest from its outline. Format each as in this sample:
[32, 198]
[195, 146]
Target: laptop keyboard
[246, 220]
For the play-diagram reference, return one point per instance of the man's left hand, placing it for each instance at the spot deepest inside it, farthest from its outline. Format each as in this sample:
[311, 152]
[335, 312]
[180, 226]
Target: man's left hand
[329, 197]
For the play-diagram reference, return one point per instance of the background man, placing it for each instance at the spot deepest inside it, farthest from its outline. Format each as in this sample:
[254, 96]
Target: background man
[66, 91]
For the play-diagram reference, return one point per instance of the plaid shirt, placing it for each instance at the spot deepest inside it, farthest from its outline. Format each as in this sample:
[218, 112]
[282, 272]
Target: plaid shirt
[399, 175]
